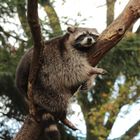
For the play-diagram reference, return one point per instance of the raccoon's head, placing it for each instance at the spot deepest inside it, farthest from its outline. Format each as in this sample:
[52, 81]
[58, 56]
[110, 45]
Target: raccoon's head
[82, 38]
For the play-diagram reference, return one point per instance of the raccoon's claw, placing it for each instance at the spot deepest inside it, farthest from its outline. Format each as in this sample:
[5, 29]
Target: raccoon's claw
[104, 72]
[69, 124]
[84, 86]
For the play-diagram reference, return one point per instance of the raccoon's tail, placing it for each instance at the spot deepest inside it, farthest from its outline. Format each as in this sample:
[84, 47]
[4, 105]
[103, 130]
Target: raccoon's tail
[51, 131]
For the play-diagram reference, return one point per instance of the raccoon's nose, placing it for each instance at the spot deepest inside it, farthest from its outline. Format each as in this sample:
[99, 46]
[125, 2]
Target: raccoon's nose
[89, 39]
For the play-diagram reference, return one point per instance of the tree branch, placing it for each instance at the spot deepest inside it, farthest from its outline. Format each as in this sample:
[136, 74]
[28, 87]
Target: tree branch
[21, 11]
[31, 129]
[33, 20]
[115, 32]
[53, 18]
[110, 11]
[132, 132]
[10, 35]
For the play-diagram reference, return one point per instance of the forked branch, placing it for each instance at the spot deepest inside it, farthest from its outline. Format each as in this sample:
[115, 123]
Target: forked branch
[115, 32]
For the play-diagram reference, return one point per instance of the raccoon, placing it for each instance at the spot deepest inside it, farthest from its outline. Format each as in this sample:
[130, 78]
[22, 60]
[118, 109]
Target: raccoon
[64, 68]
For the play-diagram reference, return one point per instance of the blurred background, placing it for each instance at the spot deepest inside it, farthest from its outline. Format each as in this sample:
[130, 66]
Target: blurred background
[111, 110]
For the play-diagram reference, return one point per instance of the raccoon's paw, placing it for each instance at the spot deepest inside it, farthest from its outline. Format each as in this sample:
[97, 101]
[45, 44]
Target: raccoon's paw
[102, 71]
[97, 71]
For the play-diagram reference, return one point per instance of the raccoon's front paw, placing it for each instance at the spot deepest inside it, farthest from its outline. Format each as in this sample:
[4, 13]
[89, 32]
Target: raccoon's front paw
[102, 71]
[97, 71]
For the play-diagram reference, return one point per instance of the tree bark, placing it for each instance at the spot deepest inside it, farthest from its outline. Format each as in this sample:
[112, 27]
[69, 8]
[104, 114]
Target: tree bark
[33, 20]
[110, 11]
[31, 129]
[53, 18]
[132, 132]
[21, 11]
[107, 40]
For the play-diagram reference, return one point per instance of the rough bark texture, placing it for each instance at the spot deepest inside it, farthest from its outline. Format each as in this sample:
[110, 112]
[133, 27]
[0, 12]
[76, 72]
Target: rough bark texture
[31, 130]
[33, 20]
[110, 11]
[21, 11]
[53, 18]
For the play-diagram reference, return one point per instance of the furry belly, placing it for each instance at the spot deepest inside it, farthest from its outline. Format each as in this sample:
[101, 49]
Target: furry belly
[69, 73]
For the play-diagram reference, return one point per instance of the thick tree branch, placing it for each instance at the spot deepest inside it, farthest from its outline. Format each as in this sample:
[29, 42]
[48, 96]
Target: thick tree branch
[31, 129]
[33, 20]
[133, 131]
[115, 32]
[110, 11]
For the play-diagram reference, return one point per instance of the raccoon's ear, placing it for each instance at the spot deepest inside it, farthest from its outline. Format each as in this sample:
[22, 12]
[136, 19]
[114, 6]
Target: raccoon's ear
[95, 32]
[71, 29]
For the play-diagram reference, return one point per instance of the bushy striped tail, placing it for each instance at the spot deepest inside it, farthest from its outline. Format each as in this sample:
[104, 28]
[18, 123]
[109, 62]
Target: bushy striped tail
[51, 131]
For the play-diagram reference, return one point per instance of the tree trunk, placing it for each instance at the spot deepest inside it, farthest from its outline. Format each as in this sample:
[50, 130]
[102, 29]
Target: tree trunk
[110, 11]
[53, 18]
[21, 11]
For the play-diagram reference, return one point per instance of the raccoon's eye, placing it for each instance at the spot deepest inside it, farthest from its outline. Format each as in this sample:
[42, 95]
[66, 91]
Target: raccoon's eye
[94, 36]
[81, 37]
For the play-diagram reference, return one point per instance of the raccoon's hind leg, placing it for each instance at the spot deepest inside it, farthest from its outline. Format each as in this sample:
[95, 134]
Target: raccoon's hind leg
[51, 106]
[49, 100]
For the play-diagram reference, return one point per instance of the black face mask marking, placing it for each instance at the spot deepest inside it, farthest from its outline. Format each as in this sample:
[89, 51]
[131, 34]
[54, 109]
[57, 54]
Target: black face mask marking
[87, 35]
[85, 41]
[93, 36]
[80, 38]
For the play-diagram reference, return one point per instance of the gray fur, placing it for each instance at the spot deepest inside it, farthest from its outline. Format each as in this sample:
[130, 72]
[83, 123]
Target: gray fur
[63, 70]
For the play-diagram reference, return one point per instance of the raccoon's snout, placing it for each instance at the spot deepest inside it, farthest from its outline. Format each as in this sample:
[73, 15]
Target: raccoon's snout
[87, 41]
